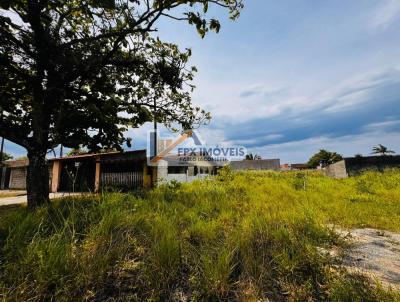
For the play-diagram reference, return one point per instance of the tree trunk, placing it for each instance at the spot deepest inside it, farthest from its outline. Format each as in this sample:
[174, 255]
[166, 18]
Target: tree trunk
[37, 179]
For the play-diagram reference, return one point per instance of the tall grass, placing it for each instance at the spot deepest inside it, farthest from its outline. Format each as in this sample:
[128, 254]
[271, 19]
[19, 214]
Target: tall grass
[248, 236]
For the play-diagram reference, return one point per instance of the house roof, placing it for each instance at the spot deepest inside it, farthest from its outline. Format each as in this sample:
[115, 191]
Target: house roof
[299, 166]
[89, 155]
[16, 163]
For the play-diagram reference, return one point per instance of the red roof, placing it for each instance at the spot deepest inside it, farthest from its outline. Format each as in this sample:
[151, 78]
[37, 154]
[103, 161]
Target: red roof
[16, 163]
[94, 155]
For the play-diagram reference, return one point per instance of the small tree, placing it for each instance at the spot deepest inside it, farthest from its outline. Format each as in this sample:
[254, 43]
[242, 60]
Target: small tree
[73, 174]
[324, 156]
[382, 150]
[5, 156]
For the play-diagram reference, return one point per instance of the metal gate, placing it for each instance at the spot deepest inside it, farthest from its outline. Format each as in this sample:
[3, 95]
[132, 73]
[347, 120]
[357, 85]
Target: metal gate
[77, 176]
[121, 176]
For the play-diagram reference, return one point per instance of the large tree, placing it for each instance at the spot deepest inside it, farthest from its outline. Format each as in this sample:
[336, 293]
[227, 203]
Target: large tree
[80, 72]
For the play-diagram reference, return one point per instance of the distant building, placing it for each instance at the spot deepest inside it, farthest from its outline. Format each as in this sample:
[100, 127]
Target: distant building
[299, 167]
[94, 172]
[260, 164]
[291, 167]
[170, 168]
[113, 170]
[85, 172]
[13, 175]
[122, 171]
[355, 165]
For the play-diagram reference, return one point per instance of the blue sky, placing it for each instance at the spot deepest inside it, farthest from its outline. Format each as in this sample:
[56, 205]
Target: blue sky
[291, 77]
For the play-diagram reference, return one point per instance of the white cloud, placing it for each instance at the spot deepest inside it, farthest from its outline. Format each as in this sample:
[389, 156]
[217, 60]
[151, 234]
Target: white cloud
[349, 145]
[273, 99]
[264, 91]
[211, 136]
[359, 89]
[381, 125]
[251, 141]
[386, 14]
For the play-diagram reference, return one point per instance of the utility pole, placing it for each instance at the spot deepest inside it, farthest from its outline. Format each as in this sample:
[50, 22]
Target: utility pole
[1, 151]
[155, 128]
[2, 172]
[61, 150]
[2, 143]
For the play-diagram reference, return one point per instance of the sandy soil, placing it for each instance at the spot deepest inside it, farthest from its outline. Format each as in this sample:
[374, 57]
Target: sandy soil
[21, 199]
[11, 193]
[375, 253]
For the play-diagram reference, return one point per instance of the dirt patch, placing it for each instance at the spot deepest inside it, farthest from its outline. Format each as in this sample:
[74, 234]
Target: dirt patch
[375, 253]
[22, 199]
[11, 193]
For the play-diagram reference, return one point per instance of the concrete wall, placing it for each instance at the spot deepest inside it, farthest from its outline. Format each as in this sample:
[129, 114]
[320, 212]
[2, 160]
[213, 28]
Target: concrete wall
[18, 178]
[164, 177]
[181, 178]
[356, 165]
[263, 164]
[336, 170]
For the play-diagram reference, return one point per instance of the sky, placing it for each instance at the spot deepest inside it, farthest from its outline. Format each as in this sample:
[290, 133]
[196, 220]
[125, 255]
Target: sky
[291, 77]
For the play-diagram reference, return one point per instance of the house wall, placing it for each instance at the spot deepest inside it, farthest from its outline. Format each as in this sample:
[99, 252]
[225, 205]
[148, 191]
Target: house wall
[164, 177]
[181, 178]
[336, 170]
[263, 164]
[18, 178]
[357, 165]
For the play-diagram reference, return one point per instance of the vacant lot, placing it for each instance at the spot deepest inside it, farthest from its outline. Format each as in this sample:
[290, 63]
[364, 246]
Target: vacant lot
[251, 236]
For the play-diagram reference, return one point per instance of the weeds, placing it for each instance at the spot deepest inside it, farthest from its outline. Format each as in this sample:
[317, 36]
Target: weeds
[243, 236]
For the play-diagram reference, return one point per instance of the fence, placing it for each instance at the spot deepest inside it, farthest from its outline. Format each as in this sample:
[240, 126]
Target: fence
[122, 180]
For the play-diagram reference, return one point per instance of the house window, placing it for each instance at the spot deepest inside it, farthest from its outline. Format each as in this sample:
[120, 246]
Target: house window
[204, 170]
[177, 170]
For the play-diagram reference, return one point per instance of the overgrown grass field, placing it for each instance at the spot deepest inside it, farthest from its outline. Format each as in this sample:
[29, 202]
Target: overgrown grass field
[248, 236]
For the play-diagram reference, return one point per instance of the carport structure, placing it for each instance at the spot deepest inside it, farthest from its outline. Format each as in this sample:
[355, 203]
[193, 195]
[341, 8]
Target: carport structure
[94, 172]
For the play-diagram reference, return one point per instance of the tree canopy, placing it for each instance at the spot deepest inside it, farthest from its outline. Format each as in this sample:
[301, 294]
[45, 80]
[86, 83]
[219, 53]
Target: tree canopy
[324, 156]
[88, 62]
[81, 72]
